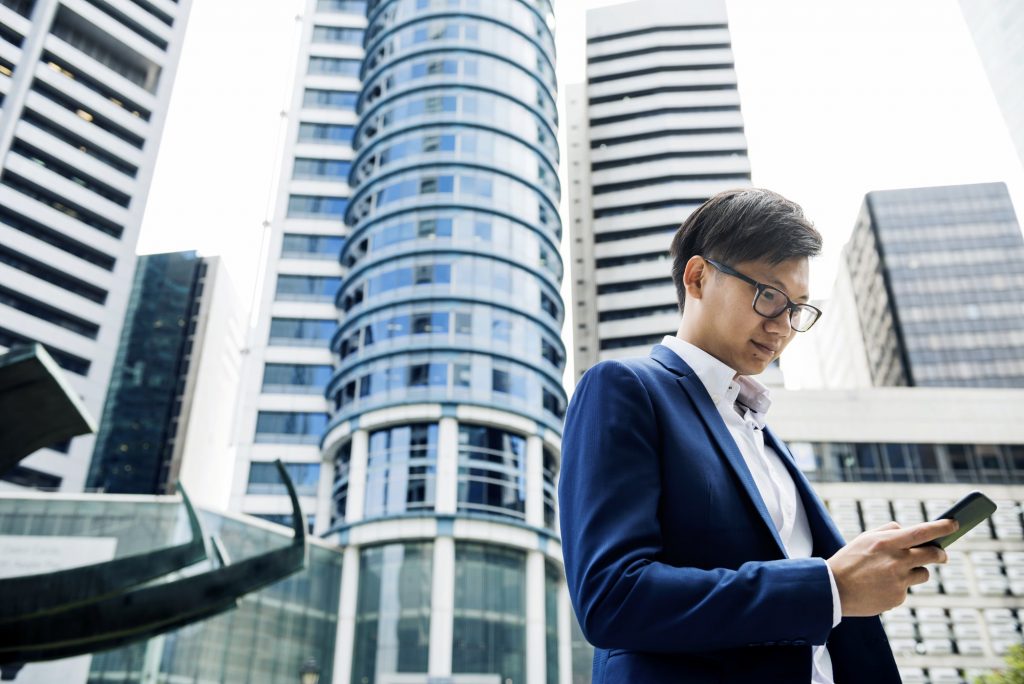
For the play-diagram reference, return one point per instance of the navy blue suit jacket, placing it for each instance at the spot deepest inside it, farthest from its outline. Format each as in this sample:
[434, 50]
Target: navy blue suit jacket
[675, 569]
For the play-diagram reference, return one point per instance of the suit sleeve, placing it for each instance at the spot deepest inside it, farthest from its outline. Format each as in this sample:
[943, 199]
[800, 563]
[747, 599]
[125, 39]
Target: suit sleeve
[609, 489]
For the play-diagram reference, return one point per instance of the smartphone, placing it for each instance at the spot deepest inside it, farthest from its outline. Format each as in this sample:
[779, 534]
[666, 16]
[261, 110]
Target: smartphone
[969, 512]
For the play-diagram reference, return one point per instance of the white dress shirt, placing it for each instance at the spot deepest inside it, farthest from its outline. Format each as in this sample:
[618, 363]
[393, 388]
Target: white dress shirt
[732, 395]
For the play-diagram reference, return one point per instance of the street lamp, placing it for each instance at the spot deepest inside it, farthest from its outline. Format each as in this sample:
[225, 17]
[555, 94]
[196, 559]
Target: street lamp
[309, 673]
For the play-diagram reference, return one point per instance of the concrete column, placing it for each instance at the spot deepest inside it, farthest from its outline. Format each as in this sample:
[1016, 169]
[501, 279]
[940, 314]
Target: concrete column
[534, 481]
[447, 485]
[565, 618]
[357, 476]
[536, 660]
[345, 642]
[324, 501]
[442, 608]
[24, 71]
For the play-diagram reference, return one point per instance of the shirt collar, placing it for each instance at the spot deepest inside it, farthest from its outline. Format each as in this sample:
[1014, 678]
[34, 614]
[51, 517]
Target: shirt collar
[720, 380]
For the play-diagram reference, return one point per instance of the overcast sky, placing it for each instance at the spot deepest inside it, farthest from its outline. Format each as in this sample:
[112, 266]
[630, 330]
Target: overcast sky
[838, 99]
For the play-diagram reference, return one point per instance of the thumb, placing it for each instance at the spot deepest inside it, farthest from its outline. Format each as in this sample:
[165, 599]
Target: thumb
[887, 526]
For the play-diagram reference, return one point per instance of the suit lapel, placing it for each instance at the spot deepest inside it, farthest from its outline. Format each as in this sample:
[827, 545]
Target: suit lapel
[695, 390]
[827, 539]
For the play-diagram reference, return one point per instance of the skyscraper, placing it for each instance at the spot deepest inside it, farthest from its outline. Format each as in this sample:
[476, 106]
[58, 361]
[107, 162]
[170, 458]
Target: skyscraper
[288, 362]
[168, 414]
[447, 403]
[936, 274]
[85, 88]
[654, 132]
[996, 26]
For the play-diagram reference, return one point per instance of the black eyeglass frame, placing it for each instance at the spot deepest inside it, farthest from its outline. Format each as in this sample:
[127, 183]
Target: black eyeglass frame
[790, 306]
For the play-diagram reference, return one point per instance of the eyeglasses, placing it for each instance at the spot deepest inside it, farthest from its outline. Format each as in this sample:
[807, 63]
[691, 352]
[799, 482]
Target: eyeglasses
[770, 301]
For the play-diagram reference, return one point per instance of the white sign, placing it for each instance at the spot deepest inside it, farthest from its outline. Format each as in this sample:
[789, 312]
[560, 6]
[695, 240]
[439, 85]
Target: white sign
[26, 555]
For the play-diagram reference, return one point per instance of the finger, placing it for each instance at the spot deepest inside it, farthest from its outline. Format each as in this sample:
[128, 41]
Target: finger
[925, 555]
[918, 576]
[922, 532]
[887, 527]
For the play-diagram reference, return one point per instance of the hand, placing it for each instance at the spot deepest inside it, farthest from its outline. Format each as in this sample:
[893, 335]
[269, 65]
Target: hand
[874, 570]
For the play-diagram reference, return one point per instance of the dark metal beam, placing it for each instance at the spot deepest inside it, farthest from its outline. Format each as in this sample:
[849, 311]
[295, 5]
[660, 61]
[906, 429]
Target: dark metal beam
[37, 406]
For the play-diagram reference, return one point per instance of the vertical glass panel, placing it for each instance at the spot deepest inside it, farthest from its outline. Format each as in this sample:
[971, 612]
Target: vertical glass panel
[490, 612]
[392, 611]
[492, 471]
[401, 470]
[552, 581]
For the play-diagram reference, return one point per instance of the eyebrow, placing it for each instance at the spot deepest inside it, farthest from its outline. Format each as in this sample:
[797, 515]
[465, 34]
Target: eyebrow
[778, 284]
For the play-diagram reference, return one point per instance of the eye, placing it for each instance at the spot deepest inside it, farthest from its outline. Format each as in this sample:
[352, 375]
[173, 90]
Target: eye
[770, 296]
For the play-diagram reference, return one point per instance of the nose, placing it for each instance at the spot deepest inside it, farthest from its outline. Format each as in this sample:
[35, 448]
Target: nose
[779, 325]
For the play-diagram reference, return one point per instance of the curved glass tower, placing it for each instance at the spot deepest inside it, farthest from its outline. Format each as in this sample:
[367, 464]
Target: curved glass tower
[447, 400]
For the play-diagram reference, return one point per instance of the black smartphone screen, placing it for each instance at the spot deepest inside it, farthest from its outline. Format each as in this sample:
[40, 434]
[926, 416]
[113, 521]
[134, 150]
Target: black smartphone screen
[969, 511]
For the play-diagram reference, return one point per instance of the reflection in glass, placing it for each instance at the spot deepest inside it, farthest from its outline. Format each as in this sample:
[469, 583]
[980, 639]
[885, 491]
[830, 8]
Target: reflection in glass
[401, 470]
[393, 611]
[492, 471]
[490, 611]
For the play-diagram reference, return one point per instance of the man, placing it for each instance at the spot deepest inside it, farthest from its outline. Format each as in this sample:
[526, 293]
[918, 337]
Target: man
[695, 549]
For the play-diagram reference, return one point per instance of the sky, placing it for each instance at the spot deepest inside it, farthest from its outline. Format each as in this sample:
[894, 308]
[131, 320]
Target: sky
[838, 99]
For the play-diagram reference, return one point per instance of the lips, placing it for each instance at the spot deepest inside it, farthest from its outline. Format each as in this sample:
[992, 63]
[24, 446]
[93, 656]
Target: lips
[764, 348]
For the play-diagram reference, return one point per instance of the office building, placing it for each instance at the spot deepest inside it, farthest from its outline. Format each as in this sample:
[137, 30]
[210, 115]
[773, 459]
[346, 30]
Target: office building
[936, 275]
[170, 408]
[906, 454]
[288, 362]
[85, 88]
[996, 26]
[446, 405]
[655, 131]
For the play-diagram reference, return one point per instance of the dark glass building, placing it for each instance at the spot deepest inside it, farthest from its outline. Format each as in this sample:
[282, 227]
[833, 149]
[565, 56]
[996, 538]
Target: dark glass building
[135, 443]
[937, 275]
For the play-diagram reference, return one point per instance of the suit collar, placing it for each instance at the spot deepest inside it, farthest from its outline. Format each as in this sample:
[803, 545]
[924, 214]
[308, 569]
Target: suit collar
[827, 538]
[701, 400]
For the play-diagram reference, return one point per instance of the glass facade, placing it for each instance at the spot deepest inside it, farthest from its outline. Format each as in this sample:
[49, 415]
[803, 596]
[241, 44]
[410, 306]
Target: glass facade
[889, 462]
[267, 638]
[449, 307]
[490, 611]
[393, 611]
[492, 472]
[401, 470]
[937, 274]
[135, 442]
[451, 292]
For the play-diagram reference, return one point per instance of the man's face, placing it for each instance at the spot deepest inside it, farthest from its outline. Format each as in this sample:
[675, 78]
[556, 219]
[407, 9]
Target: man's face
[731, 330]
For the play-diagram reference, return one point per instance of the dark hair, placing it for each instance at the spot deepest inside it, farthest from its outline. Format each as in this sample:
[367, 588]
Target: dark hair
[746, 224]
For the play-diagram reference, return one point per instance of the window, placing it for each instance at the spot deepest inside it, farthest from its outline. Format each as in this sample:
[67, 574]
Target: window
[264, 478]
[401, 470]
[317, 207]
[290, 428]
[316, 246]
[307, 288]
[301, 332]
[337, 34]
[492, 471]
[329, 99]
[334, 66]
[326, 133]
[392, 620]
[489, 627]
[296, 378]
[354, 6]
[321, 169]
[549, 307]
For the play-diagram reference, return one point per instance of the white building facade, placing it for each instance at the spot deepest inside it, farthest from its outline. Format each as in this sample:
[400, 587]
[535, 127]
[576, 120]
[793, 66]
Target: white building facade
[85, 88]
[287, 361]
[655, 131]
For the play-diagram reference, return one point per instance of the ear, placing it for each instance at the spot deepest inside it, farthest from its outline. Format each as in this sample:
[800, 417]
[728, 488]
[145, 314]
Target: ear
[695, 275]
